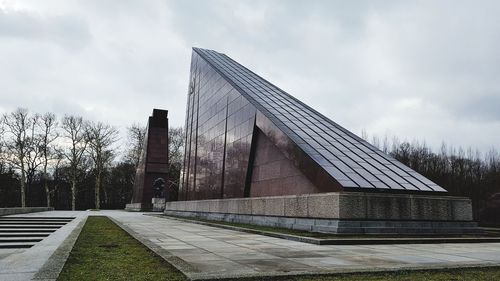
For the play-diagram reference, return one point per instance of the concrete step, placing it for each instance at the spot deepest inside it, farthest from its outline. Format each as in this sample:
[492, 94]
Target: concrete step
[29, 226]
[399, 230]
[17, 230]
[15, 245]
[32, 223]
[24, 231]
[36, 218]
[6, 240]
[23, 234]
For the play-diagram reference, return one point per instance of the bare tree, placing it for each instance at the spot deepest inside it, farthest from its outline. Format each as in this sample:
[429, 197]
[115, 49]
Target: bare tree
[74, 130]
[136, 137]
[385, 144]
[58, 158]
[2, 144]
[34, 151]
[376, 141]
[17, 147]
[101, 138]
[175, 158]
[175, 145]
[364, 134]
[48, 127]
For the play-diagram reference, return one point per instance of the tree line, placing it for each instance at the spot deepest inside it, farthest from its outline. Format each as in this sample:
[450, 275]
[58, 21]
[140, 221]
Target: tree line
[70, 162]
[462, 172]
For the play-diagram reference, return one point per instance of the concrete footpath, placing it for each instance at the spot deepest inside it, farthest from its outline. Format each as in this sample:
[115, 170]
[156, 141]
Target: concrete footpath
[201, 251]
[206, 252]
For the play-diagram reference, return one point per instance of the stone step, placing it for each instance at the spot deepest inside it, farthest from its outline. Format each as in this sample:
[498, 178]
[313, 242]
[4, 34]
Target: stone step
[32, 223]
[416, 224]
[23, 234]
[17, 230]
[6, 240]
[29, 226]
[37, 218]
[15, 245]
[398, 230]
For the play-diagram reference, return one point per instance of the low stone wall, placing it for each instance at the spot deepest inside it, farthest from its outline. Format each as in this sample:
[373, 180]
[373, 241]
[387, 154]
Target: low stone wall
[341, 226]
[158, 204]
[339, 205]
[340, 212]
[15, 211]
[138, 207]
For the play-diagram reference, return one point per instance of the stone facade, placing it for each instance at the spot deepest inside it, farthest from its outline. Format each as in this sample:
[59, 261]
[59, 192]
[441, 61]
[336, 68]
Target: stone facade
[340, 212]
[340, 226]
[339, 205]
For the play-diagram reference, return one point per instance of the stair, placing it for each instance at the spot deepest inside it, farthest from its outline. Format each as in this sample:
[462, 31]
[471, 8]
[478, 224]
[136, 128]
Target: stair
[25, 232]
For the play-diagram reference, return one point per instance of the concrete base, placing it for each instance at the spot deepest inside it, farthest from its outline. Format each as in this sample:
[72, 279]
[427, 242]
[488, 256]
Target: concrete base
[341, 226]
[158, 204]
[138, 207]
[340, 212]
[15, 211]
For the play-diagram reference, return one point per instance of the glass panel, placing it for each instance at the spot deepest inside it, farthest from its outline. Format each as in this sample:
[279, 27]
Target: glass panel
[213, 100]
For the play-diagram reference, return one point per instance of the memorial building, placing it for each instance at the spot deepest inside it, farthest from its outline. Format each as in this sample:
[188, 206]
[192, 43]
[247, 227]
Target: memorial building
[149, 192]
[256, 154]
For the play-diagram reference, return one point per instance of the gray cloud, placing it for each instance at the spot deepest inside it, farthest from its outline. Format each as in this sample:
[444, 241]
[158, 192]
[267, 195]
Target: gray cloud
[483, 109]
[423, 69]
[67, 31]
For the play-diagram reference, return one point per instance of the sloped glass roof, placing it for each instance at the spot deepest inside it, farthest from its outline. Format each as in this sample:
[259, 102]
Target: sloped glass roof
[352, 161]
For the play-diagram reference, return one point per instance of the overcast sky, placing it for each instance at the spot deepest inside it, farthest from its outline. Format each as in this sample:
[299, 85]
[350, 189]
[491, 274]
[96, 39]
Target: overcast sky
[414, 69]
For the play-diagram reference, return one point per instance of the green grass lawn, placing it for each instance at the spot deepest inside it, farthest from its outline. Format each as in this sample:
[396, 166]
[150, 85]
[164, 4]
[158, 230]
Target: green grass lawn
[104, 251]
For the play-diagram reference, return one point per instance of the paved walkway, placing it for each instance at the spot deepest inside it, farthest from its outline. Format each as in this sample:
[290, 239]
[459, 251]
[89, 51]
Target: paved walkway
[43, 260]
[210, 252]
